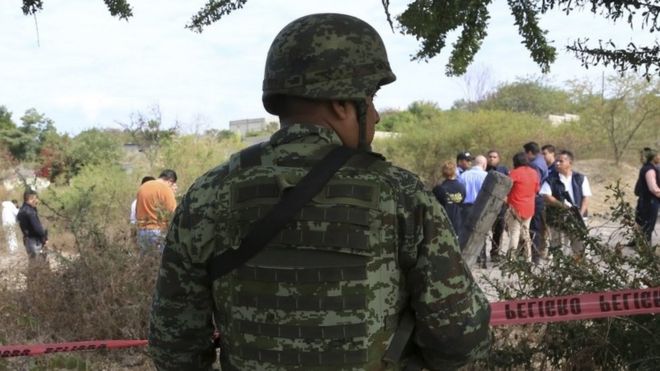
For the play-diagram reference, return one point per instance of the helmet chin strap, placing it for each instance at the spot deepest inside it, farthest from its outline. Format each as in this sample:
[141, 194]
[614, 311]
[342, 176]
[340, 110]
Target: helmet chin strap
[361, 111]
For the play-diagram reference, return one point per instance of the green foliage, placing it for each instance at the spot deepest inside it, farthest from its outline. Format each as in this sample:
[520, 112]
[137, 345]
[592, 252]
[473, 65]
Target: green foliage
[25, 141]
[632, 58]
[117, 8]
[528, 95]
[213, 11]
[61, 157]
[6, 122]
[627, 112]
[526, 18]
[430, 22]
[191, 156]
[608, 344]
[92, 147]
[99, 194]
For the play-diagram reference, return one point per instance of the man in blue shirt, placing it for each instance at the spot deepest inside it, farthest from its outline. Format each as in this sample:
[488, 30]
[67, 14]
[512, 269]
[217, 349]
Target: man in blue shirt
[536, 228]
[548, 152]
[473, 179]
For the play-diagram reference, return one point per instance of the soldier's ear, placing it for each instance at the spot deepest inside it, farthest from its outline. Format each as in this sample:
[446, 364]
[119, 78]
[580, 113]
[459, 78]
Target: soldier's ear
[342, 109]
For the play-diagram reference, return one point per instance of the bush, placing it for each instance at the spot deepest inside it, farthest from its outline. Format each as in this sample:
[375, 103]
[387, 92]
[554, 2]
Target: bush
[614, 343]
[102, 289]
[96, 286]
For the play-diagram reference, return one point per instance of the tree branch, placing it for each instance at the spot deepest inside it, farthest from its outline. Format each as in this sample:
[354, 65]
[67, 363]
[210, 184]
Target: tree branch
[526, 19]
[633, 58]
[213, 11]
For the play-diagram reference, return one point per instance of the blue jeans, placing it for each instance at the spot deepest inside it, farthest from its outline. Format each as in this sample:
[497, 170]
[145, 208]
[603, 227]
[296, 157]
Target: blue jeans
[33, 246]
[150, 240]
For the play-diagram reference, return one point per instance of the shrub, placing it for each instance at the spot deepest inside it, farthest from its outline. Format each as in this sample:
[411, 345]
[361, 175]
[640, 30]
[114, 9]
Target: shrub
[611, 343]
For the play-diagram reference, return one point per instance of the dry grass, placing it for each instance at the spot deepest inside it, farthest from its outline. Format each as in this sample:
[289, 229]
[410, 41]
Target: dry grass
[602, 173]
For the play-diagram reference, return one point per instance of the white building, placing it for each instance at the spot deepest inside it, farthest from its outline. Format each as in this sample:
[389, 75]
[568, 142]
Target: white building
[245, 126]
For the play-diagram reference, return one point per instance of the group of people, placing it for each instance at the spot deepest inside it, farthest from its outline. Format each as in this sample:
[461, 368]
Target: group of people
[35, 236]
[150, 214]
[544, 187]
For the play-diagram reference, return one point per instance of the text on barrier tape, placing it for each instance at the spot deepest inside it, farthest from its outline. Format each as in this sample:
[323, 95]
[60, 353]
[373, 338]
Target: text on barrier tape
[512, 312]
[576, 307]
[37, 349]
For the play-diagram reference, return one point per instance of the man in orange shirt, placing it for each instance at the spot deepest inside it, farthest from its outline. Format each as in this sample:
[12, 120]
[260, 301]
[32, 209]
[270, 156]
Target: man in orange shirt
[155, 205]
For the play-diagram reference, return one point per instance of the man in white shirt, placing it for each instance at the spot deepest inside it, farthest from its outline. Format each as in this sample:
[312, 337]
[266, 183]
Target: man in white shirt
[9, 212]
[565, 188]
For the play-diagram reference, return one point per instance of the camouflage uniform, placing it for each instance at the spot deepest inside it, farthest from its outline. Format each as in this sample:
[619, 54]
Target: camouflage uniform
[327, 291]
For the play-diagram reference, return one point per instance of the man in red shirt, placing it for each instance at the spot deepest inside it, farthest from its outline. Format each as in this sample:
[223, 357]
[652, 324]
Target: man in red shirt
[521, 206]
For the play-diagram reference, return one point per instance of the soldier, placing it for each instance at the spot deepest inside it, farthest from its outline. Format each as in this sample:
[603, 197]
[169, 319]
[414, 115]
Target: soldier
[327, 292]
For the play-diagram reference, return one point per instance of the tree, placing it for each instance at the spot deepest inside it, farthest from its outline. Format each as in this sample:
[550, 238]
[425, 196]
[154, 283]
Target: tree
[6, 122]
[620, 110]
[92, 147]
[25, 142]
[526, 95]
[431, 21]
[148, 133]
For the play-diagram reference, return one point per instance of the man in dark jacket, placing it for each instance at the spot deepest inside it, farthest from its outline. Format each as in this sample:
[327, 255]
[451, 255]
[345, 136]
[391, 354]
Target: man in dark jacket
[35, 236]
[494, 161]
[537, 162]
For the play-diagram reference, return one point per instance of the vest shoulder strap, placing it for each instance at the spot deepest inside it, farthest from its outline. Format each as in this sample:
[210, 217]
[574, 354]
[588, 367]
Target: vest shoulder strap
[265, 229]
[579, 178]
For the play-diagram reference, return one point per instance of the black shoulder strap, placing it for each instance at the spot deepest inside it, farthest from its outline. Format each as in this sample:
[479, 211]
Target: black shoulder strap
[263, 230]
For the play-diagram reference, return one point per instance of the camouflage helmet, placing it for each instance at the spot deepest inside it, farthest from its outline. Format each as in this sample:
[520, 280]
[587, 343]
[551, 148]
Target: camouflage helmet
[325, 56]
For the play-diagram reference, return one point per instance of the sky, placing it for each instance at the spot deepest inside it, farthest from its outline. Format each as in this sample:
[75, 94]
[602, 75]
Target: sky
[84, 68]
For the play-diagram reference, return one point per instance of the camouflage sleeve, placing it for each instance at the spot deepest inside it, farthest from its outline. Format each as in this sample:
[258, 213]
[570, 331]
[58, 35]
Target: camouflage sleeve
[452, 314]
[181, 322]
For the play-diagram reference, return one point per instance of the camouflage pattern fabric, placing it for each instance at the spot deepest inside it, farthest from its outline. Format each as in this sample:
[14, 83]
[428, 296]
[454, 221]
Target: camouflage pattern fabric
[326, 56]
[326, 293]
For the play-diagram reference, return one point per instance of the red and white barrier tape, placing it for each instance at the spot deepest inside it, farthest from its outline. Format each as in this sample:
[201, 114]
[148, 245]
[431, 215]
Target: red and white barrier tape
[512, 312]
[38, 349]
[576, 307]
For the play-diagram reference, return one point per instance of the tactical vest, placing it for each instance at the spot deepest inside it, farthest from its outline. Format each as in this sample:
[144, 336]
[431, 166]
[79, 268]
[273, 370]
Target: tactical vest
[324, 292]
[559, 190]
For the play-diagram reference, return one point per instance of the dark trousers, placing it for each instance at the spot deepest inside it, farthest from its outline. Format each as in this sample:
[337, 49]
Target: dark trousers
[646, 215]
[536, 227]
[466, 209]
[498, 229]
